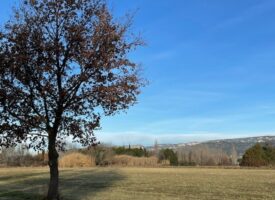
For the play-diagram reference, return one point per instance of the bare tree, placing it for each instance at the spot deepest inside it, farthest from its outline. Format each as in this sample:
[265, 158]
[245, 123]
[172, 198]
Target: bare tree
[156, 148]
[234, 155]
[63, 64]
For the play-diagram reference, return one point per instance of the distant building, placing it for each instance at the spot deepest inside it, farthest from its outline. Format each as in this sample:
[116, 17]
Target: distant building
[136, 146]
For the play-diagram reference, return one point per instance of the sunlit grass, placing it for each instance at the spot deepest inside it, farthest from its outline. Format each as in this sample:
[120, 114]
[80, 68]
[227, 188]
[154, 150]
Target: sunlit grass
[141, 183]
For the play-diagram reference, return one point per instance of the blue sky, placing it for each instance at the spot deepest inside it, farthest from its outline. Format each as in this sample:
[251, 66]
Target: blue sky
[211, 69]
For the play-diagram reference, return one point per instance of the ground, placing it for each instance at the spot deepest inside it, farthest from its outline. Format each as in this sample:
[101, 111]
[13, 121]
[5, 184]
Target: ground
[141, 183]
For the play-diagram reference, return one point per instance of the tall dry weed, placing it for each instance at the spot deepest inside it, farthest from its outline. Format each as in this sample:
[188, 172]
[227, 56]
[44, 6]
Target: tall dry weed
[75, 159]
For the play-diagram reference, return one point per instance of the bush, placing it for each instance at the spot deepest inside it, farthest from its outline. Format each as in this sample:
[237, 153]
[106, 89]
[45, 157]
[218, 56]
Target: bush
[168, 154]
[185, 163]
[137, 152]
[259, 155]
[76, 160]
[103, 154]
[125, 160]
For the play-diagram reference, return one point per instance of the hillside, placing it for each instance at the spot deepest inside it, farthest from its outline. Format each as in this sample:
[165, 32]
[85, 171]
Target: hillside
[226, 145]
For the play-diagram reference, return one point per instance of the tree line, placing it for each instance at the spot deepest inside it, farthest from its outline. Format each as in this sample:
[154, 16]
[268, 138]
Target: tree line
[22, 157]
[104, 155]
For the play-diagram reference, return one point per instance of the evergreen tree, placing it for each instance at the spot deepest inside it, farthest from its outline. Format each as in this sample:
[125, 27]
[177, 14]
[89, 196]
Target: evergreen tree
[169, 154]
[254, 157]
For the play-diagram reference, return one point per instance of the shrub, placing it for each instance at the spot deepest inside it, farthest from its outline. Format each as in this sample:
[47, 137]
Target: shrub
[168, 154]
[103, 154]
[137, 152]
[256, 156]
[125, 160]
[76, 160]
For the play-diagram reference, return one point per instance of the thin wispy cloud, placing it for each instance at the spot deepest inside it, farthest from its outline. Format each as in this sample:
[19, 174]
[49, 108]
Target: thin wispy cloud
[248, 14]
[184, 96]
[163, 55]
[180, 124]
[148, 139]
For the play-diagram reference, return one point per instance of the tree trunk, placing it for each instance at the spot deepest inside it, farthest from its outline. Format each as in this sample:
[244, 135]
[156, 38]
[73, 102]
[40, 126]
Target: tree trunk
[53, 193]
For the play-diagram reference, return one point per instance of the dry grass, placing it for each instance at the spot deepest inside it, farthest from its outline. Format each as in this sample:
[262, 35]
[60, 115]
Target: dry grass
[73, 160]
[141, 183]
[130, 161]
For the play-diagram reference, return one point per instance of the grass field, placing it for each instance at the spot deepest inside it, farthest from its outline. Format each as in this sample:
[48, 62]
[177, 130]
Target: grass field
[141, 183]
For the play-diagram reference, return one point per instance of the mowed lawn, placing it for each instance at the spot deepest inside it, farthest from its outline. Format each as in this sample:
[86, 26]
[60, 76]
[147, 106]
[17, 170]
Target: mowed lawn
[140, 183]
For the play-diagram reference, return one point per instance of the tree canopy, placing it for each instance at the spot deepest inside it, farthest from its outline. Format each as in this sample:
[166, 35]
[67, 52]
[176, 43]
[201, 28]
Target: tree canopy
[63, 65]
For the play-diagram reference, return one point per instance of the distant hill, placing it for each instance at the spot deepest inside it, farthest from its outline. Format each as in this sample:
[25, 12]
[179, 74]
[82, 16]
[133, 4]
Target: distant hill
[226, 145]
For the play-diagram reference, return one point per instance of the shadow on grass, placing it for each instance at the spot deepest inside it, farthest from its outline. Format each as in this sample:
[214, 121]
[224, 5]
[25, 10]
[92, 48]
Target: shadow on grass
[74, 184]
[15, 177]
